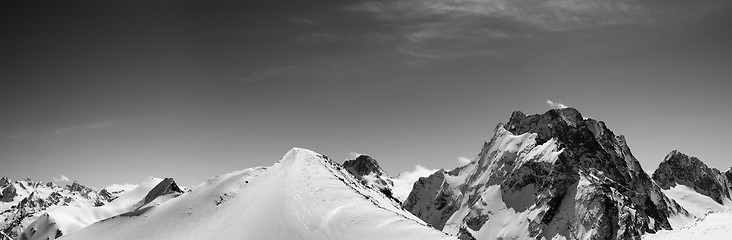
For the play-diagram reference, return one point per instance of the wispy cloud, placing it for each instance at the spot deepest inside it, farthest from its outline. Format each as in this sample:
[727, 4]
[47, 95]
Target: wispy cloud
[404, 182]
[268, 74]
[554, 15]
[305, 21]
[317, 37]
[354, 155]
[79, 128]
[555, 105]
[433, 30]
[62, 178]
[463, 161]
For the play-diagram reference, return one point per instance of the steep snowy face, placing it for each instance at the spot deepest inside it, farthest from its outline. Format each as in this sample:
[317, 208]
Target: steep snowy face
[552, 175]
[680, 169]
[303, 196]
[22, 202]
[67, 219]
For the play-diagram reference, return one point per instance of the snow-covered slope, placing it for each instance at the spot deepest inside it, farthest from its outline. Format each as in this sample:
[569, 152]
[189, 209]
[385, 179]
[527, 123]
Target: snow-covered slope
[303, 196]
[67, 219]
[552, 175]
[715, 226]
[696, 203]
[22, 202]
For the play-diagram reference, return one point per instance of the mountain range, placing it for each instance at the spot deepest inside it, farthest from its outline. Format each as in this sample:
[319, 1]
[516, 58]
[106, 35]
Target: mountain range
[556, 175]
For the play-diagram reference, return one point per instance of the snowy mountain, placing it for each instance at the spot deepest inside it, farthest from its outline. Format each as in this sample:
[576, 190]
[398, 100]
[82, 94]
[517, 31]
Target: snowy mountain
[303, 196]
[68, 219]
[22, 202]
[695, 186]
[555, 175]
[680, 169]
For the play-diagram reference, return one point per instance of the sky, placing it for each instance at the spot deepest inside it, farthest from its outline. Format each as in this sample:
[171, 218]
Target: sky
[115, 91]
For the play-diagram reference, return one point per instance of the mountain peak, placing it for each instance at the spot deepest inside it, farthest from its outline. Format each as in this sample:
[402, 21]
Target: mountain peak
[545, 172]
[167, 186]
[678, 168]
[298, 154]
[363, 165]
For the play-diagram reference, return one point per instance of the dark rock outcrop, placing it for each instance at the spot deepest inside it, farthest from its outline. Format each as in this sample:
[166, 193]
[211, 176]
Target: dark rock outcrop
[370, 174]
[679, 168]
[165, 187]
[4, 182]
[363, 165]
[8, 193]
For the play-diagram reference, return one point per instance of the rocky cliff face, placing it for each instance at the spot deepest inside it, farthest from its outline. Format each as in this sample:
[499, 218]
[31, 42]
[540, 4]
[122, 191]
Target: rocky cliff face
[368, 171]
[546, 175]
[679, 168]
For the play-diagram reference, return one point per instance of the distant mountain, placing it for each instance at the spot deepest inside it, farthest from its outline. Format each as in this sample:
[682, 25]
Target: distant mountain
[680, 169]
[303, 196]
[695, 186]
[68, 219]
[23, 201]
[551, 175]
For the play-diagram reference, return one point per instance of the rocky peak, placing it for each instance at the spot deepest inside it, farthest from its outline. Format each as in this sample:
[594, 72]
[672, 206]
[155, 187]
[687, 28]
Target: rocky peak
[8, 193]
[77, 187]
[562, 169]
[679, 168]
[167, 186]
[363, 165]
[4, 181]
[432, 199]
[369, 173]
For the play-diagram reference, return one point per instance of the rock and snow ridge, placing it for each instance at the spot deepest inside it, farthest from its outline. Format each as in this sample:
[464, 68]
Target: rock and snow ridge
[23, 201]
[368, 171]
[67, 219]
[681, 169]
[695, 186]
[303, 196]
[546, 176]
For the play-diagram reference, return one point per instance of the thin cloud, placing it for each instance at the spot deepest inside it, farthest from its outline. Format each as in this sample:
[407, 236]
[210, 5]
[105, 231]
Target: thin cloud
[552, 15]
[555, 105]
[62, 178]
[404, 182]
[100, 125]
[427, 31]
[318, 37]
[354, 155]
[305, 21]
[464, 161]
[268, 74]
